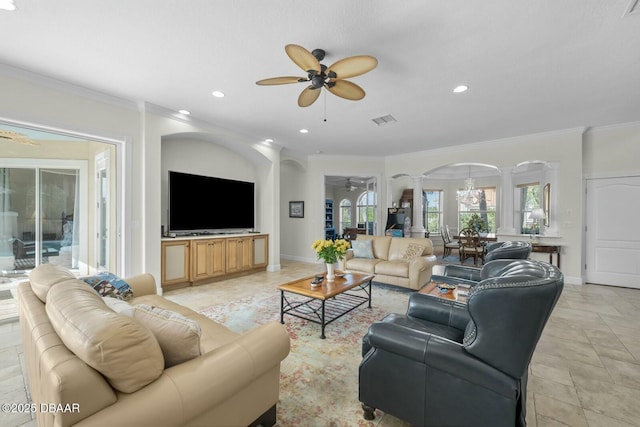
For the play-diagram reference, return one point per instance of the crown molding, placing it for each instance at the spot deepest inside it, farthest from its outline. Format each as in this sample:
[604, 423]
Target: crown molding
[66, 87]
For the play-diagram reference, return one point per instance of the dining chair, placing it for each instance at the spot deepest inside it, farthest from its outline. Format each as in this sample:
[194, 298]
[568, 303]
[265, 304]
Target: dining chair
[449, 244]
[471, 246]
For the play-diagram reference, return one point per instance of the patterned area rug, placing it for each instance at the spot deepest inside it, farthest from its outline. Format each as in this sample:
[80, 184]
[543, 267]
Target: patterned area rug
[319, 378]
[455, 259]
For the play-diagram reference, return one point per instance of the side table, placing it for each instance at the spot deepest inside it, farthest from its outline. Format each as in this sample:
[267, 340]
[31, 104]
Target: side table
[548, 249]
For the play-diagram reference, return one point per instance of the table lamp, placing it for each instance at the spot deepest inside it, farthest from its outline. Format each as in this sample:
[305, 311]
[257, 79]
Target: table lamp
[537, 214]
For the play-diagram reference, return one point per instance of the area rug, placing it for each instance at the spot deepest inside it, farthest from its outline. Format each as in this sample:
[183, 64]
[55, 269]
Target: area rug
[455, 259]
[319, 378]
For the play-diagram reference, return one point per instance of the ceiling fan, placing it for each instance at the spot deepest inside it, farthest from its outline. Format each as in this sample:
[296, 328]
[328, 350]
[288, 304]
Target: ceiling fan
[349, 186]
[319, 75]
[7, 135]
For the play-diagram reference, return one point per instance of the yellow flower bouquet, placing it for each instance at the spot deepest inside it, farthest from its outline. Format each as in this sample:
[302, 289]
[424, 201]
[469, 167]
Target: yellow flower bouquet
[331, 251]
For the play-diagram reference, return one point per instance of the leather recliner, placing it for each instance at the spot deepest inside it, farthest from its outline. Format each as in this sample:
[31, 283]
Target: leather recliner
[510, 249]
[446, 363]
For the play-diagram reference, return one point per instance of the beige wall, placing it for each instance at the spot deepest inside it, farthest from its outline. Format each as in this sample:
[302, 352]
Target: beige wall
[564, 148]
[140, 128]
[612, 151]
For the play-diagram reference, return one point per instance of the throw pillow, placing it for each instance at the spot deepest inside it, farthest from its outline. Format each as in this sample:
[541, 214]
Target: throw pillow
[414, 250]
[178, 336]
[119, 347]
[362, 249]
[44, 276]
[119, 306]
[109, 285]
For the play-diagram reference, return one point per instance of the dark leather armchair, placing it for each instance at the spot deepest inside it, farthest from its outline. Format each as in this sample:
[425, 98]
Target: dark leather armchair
[510, 249]
[507, 251]
[445, 363]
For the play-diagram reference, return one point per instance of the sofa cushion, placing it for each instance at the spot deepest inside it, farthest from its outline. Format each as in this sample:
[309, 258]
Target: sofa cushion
[119, 306]
[362, 249]
[119, 347]
[179, 337]
[214, 334]
[393, 268]
[399, 245]
[363, 265]
[109, 285]
[414, 250]
[43, 277]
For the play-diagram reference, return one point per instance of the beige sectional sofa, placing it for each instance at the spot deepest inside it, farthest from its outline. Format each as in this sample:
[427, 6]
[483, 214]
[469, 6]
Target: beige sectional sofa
[101, 368]
[395, 260]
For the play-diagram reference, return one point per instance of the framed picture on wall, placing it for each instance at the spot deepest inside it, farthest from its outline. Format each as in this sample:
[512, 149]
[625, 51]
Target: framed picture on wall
[296, 209]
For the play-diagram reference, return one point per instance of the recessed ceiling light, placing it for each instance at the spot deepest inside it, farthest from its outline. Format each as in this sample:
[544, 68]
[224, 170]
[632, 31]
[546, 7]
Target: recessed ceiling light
[460, 89]
[185, 112]
[7, 5]
[217, 94]
[268, 140]
[304, 131]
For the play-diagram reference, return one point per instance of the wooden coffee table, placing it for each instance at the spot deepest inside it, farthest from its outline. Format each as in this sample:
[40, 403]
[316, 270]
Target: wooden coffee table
[431, 288]
[327, 302]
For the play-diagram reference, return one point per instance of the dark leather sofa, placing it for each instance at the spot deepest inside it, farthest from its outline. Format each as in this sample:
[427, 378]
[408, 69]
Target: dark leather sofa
[445, 363]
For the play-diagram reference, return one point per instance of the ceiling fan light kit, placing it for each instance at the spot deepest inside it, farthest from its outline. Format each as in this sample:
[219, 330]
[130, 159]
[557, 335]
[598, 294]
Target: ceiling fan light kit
[319, 75]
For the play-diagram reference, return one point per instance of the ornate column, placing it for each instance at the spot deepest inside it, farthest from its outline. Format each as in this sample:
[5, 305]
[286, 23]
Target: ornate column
[417, 209]
[551, 178]
[506, 202]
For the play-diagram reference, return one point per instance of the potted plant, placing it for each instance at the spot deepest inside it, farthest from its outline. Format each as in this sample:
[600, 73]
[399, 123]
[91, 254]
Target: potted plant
[477, 223]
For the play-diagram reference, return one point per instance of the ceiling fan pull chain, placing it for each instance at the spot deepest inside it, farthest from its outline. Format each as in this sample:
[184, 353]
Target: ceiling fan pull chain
[325, 105]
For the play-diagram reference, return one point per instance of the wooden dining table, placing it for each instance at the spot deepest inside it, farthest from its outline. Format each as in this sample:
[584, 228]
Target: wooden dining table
[490, 237]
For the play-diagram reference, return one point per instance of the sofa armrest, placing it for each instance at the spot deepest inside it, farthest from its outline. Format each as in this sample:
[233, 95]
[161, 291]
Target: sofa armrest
[192, 389]
[452, 280]
[462, 272]
[342, 264]
[438, 310]
[213, 377]
[441, 354]
[400, 340]
[142, 284]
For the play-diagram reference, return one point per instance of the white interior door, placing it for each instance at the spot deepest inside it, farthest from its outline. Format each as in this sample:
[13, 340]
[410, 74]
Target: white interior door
[612, 241]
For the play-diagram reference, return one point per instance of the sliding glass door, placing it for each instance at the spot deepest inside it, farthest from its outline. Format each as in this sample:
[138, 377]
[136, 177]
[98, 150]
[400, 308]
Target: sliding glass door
[59, 198]
[43, 217]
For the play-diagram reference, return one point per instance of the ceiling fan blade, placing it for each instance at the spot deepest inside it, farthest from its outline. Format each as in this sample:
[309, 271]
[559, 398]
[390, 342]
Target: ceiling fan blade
[302, 58]
[280, 81]
[308, 96]
[7, 135]
[346, 89]
[352, 66]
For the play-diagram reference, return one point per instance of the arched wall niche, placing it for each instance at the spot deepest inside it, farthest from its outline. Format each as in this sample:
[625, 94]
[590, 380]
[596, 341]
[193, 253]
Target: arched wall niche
[456, 171]
[244, 150]
[506, 179]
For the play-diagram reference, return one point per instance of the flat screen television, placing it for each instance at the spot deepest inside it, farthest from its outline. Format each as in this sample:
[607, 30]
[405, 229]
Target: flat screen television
[200, 203]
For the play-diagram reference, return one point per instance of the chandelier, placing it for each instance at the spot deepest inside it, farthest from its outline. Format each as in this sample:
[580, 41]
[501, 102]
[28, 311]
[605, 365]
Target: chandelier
[469, 196]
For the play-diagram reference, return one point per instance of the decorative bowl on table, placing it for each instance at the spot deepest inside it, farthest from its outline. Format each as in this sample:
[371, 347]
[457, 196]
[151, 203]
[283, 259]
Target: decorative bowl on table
[445, 288]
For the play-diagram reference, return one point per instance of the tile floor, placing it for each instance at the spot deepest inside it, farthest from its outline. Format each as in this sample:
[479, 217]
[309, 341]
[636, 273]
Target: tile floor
[585, 371]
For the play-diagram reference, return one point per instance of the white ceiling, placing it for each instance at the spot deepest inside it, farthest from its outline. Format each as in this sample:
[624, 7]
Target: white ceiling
[531, 67]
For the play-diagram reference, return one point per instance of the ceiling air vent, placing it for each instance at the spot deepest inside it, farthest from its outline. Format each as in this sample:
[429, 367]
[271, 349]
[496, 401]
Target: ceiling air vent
[632, 9]
[384, 120]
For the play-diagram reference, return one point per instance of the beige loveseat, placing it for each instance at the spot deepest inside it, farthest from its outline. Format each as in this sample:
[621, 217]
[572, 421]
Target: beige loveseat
[393, 260]
[235, 382]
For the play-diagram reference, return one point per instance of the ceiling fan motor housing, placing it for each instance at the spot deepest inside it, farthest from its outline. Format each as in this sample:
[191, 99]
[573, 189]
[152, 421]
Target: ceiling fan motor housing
[319, 54]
